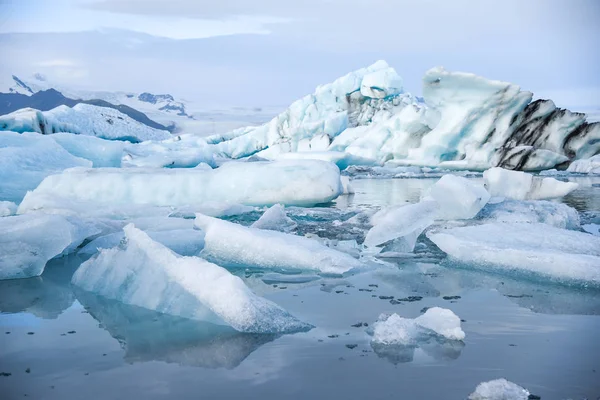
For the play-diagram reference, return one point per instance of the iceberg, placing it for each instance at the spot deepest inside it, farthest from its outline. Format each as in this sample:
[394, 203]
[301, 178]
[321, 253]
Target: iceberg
[499, 389]
[183, 151]
[237, 246]
[458, 197]
[586, 166]
[28, 242]
[530, 248]
[555, 214]
[275, 219]
[7, 208]
[26, 161]
[523, 186]
[347, 187]
[397, 229]
[302, 183]
[393, 329]
[146, 274]
[101, 152]
[341, 159]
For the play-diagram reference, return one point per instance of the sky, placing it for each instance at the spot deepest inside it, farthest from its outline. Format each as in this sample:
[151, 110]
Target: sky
[270, 52]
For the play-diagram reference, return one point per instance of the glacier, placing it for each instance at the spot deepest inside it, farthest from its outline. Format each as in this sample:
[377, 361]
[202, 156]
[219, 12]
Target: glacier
[562, 255]
[237, 246]
[144, 273]
[302, 183]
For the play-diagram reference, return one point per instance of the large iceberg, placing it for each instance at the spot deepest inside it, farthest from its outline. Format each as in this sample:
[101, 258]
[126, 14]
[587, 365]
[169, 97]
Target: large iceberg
[145, 273]
[558, 254]
[301, 183]
[84, 119]
[28, 242]
[234, 245]
[523, 186]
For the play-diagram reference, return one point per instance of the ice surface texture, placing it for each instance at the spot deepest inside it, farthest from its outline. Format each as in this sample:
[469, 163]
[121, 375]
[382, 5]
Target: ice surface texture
[541, 249]
[302, 183]
[147, 274]
[233, 245]
[558, 215]
[523, 186]
[499, 389]
[393, 329]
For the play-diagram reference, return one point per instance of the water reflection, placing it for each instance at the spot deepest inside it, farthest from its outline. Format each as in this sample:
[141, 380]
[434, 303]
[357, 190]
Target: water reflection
[45, 296]
[146, 335]
[438, 348]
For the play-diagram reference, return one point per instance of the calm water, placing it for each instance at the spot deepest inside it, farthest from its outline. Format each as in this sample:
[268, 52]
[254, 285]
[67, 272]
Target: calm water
[60, 343]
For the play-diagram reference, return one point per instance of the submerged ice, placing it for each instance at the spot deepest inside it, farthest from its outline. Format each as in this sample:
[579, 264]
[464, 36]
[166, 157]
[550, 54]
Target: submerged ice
[144, 273]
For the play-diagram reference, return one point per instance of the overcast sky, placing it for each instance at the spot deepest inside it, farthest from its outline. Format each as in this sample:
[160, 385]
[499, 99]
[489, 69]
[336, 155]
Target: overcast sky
[270, 52]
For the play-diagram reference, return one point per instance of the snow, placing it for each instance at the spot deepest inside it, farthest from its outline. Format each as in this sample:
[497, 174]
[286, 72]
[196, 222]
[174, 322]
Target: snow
[586, 166]
[145, 273]
[237, 246]
[558, 254]
[401, 226]
[7, 208]
[28, 242]
[25, 161]
[499, 389]
[275, 219]
[396, 330]
[523, 186]
[539, 211]
[84, 119]
[458, 197]
[302, 183]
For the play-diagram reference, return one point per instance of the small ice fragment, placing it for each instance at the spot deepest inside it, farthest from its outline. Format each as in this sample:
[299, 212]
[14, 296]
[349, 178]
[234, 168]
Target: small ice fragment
[499, 389]
[275, 219]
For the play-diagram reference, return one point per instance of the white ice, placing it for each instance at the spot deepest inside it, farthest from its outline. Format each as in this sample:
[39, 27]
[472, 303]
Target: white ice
[556, 214]
[145, 273]
[234, 245]
[558, 254]
[458, 197]
[302, 183]
[499, 389]
[28, 242]
[275, 219]
[401, 226]
[7, 208]
[183, 151]
[586, 166]
[348, 189]
[394, 329]
[523, 186]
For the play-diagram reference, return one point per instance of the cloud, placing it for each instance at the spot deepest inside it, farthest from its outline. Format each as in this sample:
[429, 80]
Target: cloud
[56, 63]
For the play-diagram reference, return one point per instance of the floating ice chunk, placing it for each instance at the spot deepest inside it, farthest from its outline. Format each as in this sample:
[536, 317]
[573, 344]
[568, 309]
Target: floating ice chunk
[348, 189]
[28, 242]
[499, 389]
[394, 329]
[403, 225]
[234, 245]
[275, 219]
[458, 197]
[443, 322]
[558, 215]
[101, 152]
[586, 166]
[559, 254]
[523, 186]
[7, 208]
[185, 242]
[25, 161]
[341, 159]
[380, 84]
[147, 274]
[302, 183]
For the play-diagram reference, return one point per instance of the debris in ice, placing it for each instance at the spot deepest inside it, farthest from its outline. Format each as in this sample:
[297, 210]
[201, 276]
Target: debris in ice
[552, 213]
[145, 273]
[559, 254]
[523, 186]
[499, 389]
[397, 229]
[586, 166]
[394, 329]
[234, 245]
[458, 197]
[29, 241]
[275, 219]
[7, 208]
[302, 183]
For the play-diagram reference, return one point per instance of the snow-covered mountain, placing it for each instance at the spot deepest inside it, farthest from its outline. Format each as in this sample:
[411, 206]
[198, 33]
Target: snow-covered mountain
[180, 116]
